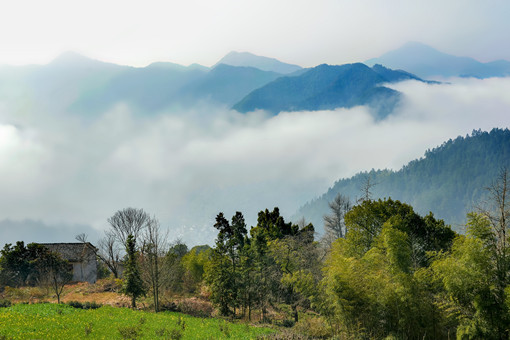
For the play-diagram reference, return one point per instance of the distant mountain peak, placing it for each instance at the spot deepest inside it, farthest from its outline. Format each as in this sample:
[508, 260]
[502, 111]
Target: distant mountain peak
[74, 59]
[69, 56]
[247, 59]
[426, 61]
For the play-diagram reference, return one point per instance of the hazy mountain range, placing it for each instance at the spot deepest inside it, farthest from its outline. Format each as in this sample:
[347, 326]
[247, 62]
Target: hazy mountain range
[426, 62]
[450, 180]
[243, 81]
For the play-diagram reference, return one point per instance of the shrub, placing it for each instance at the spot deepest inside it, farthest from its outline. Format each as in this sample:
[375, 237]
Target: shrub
[314, 327]
[176, 334]
[286, 334]
[169, 307]
[286, 323]
[109, 284]
[88, 329]
[130, 332]
[224, 328]
[195, 307]
[85, 305]
[5, 303]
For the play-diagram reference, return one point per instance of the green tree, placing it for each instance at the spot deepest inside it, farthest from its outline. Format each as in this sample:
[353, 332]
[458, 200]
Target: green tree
[54, 272]
[476, 273]
[15, 264]
[365, 222]
[297, 258]
[376, 277]
[219, 273]
[133, 284]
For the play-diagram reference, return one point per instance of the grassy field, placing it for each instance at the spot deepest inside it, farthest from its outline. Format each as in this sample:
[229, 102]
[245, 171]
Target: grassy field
[52, 321]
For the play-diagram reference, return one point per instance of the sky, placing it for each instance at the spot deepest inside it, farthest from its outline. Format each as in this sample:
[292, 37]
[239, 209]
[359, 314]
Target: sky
[301, 32]
[59, 177]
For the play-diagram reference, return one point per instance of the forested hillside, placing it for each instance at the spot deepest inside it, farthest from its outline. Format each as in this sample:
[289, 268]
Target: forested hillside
[449, 180]
[328, 87]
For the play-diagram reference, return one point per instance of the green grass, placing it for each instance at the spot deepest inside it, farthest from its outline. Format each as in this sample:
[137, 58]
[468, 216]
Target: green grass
[51, 321]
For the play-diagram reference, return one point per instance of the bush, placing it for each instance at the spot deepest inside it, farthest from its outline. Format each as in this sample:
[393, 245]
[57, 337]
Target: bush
[286, 334]
[130, 332]
[85, 305]
[176, 334]
[5, 303]
[286, 323]
[314, 327]
[109, 284]
[169, 307]
[195, 307]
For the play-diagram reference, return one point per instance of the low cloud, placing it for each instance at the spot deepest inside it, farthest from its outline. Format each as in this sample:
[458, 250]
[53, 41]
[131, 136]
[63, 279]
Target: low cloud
[185, 167]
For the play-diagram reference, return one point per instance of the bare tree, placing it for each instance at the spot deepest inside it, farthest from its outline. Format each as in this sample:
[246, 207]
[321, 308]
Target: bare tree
[334, 224]
[108, 251]
[129, 221]
[366, 189]
[153, 251]
[497, 209]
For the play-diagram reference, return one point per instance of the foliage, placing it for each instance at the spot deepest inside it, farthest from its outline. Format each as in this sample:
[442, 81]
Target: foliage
[195, 307]
[84, 305]
[475, 291]
[133, 284]
[447, 180]
[23, 265]
[34, 264]
[223, 274]
[43, 321]
[373, 277]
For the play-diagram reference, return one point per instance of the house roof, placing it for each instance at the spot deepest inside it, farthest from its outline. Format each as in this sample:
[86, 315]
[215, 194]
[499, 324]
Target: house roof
[74, 252]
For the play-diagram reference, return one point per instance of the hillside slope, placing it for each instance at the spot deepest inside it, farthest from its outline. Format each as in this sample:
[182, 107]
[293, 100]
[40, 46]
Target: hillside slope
[327, 87]
[449, 180]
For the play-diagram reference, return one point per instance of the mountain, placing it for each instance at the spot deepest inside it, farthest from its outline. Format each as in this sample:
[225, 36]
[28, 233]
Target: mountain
[449, 180]
[427, 62]
[262, 63]
[327, 87]
[226, 84]
[88, 87]
[57, 85]
[148, 89]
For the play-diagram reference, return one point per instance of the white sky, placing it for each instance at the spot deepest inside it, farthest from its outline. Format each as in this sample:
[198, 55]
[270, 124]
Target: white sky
[296, 31]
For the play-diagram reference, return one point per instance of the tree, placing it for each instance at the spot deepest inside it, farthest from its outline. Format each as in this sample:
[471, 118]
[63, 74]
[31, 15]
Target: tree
[129, 221]
[21, 264]
[365, 222]
[55, 272]
[108, 251]
[224, 274]
[298, 260]
[334, 224]
[366, 189]
[153, 250]
[476, 273]
[133, 284]
[15, 264]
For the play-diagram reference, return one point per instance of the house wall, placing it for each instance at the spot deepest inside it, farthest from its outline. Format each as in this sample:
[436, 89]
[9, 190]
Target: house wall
[80, 256]
[85, 271]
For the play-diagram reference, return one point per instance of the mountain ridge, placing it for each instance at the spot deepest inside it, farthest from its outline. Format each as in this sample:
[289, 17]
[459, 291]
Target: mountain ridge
[426, 62]
[448, 180]
[248, 59]
[327, 87]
